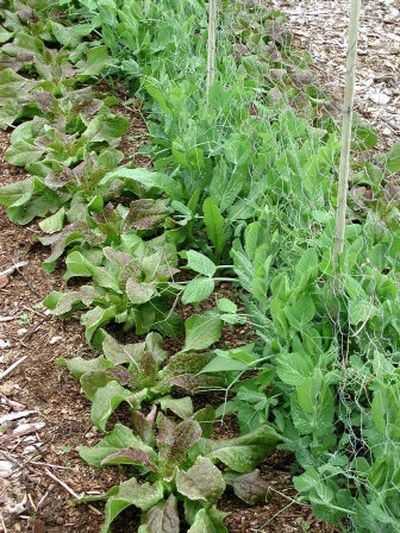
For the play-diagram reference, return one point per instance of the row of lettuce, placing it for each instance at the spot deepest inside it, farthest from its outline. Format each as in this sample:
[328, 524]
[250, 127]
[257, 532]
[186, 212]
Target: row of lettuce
[243, 190]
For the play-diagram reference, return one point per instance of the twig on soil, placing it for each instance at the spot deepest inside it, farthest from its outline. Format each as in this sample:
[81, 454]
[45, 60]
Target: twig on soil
[8, 318]
[27, 429]
[32, 289]
[13, 268]
[32, 503]
[275, 515]
[49, 465]
[12, 367]
[31, 310]
[62, 483]
[33, 330]
[69, 490]
[395, 127]
[15, 416]
[43, 498]
[292, 501]
[3, 524]
[11, 403]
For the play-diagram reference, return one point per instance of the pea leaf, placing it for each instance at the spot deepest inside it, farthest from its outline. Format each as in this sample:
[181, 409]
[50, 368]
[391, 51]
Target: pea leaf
[307, 267]
[200, 263]
[227, 306]
[300, 311]
[201, 332]
[360, 311]
[393, 159]
[197, 290]
[293, 367]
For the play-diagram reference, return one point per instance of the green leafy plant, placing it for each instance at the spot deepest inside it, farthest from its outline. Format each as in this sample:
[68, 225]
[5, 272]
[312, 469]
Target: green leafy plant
[250, 173]
[175, 463]
[130, 286]
[139, 374]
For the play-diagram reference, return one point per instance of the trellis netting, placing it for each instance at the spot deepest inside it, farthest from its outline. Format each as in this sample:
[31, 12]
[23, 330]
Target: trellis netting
[256, 155]
[333, 348]
[266, 149]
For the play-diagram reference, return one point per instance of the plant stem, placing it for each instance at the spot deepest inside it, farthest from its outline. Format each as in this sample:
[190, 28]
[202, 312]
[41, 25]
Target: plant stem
[212, 39]
[344, 170]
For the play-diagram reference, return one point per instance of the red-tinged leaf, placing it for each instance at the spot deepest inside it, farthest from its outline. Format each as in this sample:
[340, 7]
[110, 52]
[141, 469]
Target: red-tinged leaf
[164, 517]
[130, 457]
[202, 482]
[146, 214]
[166, 428]
[146, 376]
[76, 232]
[142, 427]
[122, 375]
[186, 363]
[176, 442]
[44, 100]
[251, 488]
[191, 383]
[167, 273]
[185, 382]
[139, 293]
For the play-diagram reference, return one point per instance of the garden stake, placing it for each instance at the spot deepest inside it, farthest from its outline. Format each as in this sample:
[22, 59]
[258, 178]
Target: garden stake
[212, 38]
[344, 169]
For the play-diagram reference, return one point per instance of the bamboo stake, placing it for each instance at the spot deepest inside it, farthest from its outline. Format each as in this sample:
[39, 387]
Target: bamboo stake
[344, 169]
[212, 40]
[147, 5]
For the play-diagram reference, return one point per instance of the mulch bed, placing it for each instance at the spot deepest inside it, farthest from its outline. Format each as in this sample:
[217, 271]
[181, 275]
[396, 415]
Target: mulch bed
[320, 29]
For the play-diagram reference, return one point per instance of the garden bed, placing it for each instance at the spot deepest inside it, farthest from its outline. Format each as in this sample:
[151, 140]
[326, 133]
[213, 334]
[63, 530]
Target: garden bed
[195, 233]
[62, 414]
